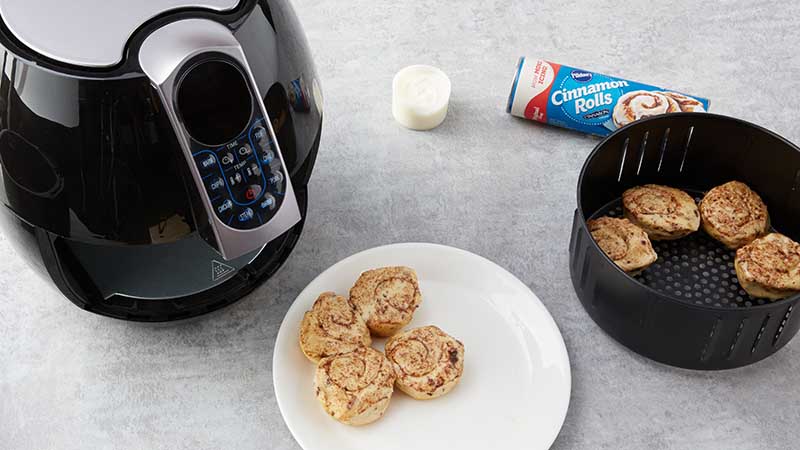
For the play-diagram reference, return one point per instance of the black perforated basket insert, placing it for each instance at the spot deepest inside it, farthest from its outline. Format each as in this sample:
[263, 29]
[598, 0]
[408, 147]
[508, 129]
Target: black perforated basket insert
[687, 309]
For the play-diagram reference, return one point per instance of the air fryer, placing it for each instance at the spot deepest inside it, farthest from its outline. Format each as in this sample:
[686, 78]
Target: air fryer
[153, 166]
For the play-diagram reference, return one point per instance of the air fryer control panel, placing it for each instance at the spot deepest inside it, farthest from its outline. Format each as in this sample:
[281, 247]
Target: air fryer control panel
[206, 85]
[244, 178]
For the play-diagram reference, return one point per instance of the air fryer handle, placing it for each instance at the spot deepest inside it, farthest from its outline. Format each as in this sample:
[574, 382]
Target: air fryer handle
[224, 132]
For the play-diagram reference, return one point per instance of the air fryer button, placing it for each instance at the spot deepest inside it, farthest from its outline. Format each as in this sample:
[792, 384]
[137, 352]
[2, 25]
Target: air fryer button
[244, 151]
[253, 170]
[267, 203]
[275, 180]
[226, 158]
[234, 179]
[206, 162]
[252, 192]
[223, 207]
[216, 185]
[267, 156]
[245, 216]
[260, 136]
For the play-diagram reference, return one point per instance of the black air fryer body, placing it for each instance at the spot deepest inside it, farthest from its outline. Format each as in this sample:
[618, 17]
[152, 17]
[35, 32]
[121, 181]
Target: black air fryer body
[165, 178]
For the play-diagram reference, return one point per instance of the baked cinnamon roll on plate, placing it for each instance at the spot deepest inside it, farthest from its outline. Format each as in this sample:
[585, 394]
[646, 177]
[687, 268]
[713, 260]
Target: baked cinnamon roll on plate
[494, 348]
[386, 298]
[428, 362]
[331, 327]
[355, 388]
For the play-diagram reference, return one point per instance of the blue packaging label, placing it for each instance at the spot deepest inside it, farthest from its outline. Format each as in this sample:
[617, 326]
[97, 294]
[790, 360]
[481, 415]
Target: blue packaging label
[588, 101]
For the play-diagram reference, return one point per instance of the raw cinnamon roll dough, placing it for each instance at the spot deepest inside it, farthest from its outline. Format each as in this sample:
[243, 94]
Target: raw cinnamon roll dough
[427, 361]
[333, 326]
[637, 105]
[386, 298]
[663, 212]
[355, 388]
[625, 243]
[769, 267]
[733, 214]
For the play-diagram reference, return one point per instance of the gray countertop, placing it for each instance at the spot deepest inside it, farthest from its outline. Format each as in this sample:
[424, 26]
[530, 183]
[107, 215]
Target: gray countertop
[484, 181]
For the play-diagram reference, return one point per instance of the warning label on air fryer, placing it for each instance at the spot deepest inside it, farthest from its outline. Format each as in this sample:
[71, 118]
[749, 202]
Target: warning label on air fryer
[220, 270]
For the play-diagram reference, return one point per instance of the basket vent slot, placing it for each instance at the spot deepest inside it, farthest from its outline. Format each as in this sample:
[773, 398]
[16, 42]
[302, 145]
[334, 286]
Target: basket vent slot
[642, 150]
[760, 334]
[624, 157]
[706, 350]
[782, 325]
[686, 148]
[735, 339]
[663, 149]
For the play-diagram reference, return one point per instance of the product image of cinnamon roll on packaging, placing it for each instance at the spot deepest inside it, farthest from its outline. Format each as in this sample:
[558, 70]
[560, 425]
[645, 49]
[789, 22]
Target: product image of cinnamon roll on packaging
[587, 101]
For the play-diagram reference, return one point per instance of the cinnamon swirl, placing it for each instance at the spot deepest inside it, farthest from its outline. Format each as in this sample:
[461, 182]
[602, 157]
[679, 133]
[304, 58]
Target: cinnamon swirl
[427, 361]
[625, 243]
[733, 214]
[769, 267]
[333, 326]
[386, 298]
[685, 103]
[355, 388]
[663, 212]
[636, 105]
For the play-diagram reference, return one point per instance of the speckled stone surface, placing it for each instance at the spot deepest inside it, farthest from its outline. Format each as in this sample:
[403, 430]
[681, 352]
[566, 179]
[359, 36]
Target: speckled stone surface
[484, 181]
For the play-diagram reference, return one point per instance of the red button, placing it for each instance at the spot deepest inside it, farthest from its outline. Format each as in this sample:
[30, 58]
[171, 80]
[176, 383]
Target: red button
[252, 192]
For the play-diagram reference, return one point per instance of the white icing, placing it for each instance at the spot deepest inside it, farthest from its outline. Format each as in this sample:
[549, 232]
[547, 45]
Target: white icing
[420, 96]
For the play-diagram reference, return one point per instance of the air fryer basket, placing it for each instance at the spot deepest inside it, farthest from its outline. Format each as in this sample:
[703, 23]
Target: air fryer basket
[687, 309]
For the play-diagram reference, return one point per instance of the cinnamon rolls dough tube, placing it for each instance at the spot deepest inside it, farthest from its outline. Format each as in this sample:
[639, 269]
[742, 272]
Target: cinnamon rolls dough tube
[355, 388]
[386, 298]
[331, 327]
[588, 101]
[428, 362]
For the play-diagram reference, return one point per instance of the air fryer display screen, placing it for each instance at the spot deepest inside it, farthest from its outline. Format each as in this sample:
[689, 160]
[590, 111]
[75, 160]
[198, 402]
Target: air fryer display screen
[214, 102]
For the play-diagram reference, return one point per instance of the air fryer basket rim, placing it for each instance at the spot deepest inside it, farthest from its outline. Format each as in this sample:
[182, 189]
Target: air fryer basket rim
[643, 122]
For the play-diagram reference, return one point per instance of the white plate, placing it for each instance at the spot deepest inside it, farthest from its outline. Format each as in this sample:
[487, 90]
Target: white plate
[516, 384]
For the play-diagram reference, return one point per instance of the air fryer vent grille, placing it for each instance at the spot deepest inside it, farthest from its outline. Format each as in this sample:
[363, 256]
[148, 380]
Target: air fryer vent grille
[696, 269]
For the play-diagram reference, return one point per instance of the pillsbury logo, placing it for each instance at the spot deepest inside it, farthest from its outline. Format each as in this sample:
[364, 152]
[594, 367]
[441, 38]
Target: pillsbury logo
[581, 76]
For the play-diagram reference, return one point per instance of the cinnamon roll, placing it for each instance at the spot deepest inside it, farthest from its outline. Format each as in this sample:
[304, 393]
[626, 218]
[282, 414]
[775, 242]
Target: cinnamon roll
[686, 103]
[625, 243]
[428, 362]
[331, 327]
[355, 388]
[386, 298]
[733, 214]
[636, 105]
[664, 213]
[769, 267]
